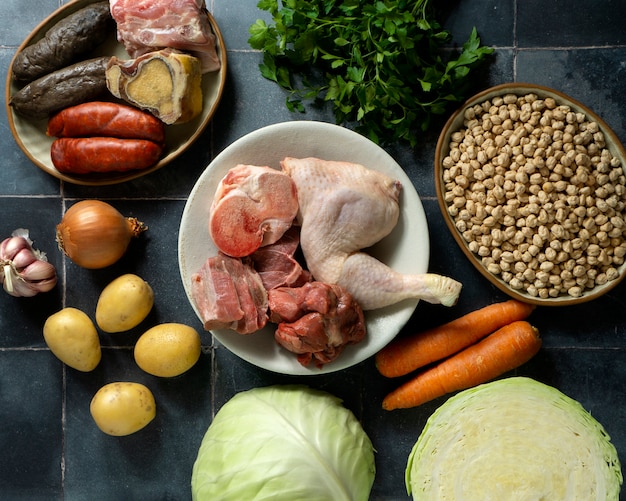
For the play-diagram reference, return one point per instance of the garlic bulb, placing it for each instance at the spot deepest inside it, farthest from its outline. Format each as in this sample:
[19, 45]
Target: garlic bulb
[24, 271]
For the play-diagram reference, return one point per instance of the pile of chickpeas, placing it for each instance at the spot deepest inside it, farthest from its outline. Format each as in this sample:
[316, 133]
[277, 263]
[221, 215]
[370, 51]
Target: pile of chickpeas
[535, 192]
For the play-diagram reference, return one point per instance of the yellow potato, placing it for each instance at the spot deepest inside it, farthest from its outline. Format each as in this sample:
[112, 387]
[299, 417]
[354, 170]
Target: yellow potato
[124, 303]
[122, 408]
[72, 337]
[168, 350]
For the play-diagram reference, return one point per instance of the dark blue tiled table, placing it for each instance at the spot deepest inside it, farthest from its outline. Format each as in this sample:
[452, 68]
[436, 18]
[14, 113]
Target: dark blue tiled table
[50, 447]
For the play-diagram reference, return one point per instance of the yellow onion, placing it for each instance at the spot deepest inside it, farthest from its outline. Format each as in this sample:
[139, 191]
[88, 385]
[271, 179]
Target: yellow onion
[94, 234]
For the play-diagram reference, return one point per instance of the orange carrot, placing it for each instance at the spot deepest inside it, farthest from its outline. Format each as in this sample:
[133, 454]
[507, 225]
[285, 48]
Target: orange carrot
[504, 350]
[405, 354]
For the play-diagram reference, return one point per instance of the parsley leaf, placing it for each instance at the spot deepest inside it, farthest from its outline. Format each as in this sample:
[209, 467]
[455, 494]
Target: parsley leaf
[379, 63]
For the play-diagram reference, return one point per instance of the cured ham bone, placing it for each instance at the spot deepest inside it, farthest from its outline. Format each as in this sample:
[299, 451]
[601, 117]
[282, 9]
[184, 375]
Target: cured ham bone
[144, 26]
[253, 206]
[344, 208]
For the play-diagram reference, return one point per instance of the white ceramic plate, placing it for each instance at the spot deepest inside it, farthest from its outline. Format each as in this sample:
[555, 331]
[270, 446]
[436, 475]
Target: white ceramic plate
[406, 249]
[31, 135]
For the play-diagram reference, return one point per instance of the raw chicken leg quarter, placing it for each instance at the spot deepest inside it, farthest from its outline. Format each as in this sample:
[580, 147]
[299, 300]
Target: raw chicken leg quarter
[345, 207]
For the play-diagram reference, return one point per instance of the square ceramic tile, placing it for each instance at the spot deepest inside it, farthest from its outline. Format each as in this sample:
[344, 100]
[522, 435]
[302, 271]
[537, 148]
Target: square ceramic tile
[52, 448]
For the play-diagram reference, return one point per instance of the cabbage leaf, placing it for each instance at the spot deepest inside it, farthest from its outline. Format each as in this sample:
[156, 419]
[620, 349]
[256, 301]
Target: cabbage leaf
[284, 442]
[513, 439]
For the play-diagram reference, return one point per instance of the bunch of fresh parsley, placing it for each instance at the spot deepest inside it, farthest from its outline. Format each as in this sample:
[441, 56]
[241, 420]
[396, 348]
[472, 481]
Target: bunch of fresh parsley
[379, 62]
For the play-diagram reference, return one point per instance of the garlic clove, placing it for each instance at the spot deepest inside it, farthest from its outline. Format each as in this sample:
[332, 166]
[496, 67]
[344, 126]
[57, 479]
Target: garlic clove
[46, 285]
[23, 258]
[22, 289]
[17, 289]
[38, 270]
[12, 246]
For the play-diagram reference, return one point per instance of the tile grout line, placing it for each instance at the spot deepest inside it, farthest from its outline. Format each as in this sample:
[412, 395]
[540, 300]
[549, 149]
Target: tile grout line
[515, 46]
[63, 429]
[64, 369]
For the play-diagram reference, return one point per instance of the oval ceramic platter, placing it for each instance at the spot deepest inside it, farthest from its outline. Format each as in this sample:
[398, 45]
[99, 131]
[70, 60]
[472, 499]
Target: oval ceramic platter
[31, 137]
[406, 249]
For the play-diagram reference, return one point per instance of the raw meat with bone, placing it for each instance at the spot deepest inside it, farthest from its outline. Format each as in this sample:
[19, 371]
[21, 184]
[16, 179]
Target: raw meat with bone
[147, 25]
[252, 206]
[344, 208]
[316, 321]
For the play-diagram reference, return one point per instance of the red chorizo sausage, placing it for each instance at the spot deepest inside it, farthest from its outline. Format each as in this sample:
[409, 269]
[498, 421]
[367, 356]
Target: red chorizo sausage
[85, 155]
[105, 119]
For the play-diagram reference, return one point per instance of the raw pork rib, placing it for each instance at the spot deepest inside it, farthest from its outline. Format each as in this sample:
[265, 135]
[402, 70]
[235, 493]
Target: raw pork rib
[148, 25]
[316, 321]
[277, 265]
[345, 207]
[252, 206]
[229, 294]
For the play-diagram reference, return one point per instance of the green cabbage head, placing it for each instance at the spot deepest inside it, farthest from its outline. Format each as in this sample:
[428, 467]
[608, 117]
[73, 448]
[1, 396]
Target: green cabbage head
[284, 442]
[513, 439]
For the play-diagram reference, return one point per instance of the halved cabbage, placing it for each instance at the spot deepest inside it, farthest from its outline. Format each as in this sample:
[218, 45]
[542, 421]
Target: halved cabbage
[284, 442]
[513, 439]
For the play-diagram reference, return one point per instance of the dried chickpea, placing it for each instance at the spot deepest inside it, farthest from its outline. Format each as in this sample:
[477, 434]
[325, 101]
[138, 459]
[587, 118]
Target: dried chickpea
[537, 195]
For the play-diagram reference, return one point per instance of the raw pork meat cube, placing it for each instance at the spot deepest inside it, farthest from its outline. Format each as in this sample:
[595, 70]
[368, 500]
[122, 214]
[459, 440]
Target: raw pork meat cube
[316, 321]
[229, 294]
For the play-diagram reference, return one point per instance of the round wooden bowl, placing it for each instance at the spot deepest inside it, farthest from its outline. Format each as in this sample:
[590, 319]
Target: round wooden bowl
[523, 293]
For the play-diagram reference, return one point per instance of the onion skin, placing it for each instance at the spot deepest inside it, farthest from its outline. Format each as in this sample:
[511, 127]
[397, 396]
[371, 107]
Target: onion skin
[94, 234]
